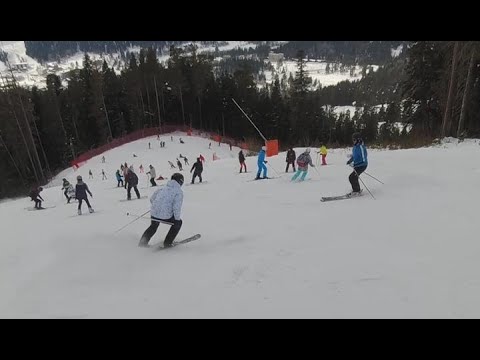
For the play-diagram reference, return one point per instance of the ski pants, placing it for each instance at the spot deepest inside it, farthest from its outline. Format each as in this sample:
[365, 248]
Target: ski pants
[195, 174]
[66, 194]
[262, 167]
[243, 165]
[353, 178]
[38, 203]
[120, 183]
[80, 203]
[172, 233]
[323, 159]
[129, 189]
[152, 181]
[303, 172]
[288, 165]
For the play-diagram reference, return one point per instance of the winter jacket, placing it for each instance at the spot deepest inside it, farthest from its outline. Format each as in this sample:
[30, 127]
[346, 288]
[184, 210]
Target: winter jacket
[81, 190]
[359, 155]
[241, 157]
[66, 185]
[167, 201]
[152, 172]
[291, 156]
[131, 178]
[303, 161]
[323, 150]
[117, 174]
[198, 167]
[261, 158]
[35, 193]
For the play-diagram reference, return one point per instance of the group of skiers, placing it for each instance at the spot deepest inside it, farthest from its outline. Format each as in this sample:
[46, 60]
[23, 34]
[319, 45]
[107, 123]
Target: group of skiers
[166, 202]
[358, 161]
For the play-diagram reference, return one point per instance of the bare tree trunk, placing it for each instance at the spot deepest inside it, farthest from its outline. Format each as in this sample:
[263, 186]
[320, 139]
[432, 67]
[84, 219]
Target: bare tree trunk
[158, 105]
[35, 152]
[13, 160]
[447, 122]
[181, 101]
[461, 123]
[106, 116]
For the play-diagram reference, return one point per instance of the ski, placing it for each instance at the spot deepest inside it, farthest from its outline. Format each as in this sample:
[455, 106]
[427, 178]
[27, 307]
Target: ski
[135, 198]
[42, 208]
[340, 197]
[267, 178]
[175, 243]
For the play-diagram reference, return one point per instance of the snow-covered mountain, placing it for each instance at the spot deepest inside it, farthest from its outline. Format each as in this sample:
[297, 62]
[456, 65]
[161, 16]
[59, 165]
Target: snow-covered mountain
[269, 249]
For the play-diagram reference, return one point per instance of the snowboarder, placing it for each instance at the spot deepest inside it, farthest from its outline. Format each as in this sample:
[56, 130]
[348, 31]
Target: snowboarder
[68, 189]
[35, 196]
[132, 181]
[103, 159]
[152, 175]
[90, 175]
[166, 207]
[303, 161]
[81, 190]
[181, 141]
[359, 159]
[291, 157]
[179, 164]
[261, 163]
[241, 158]
[171, 165]
[141, 169]
[198, 167]
[104, 177]
[323, 153]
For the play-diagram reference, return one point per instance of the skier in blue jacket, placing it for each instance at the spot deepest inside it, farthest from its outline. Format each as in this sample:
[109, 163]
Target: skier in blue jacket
[261, 164]
[359, 159]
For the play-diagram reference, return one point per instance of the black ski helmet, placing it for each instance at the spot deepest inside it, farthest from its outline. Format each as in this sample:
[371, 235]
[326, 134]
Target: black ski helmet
[79, 178]
[178, 178]
[356, 136]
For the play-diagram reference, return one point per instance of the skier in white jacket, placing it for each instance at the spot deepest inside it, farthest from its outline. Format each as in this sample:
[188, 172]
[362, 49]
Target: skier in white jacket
[166, 208]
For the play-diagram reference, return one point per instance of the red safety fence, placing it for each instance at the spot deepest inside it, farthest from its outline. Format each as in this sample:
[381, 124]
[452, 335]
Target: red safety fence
[147, 132]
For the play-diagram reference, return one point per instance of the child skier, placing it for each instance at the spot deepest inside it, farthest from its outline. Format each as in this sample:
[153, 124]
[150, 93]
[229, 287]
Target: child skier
[303, 161]
[81, 190]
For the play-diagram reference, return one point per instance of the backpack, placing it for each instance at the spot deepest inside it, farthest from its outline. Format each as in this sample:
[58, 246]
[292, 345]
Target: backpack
[302, 160]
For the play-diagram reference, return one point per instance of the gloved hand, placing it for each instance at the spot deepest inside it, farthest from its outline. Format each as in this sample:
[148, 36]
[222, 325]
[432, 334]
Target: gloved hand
[265, 161]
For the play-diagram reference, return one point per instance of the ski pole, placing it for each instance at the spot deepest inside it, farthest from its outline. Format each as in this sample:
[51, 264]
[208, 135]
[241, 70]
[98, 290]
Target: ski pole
[373, 177]
[364, 184]
[123, 227]
[274, 170]
[160, 221]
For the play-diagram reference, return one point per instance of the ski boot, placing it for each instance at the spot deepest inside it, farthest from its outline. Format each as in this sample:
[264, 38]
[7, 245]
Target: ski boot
[90, 210]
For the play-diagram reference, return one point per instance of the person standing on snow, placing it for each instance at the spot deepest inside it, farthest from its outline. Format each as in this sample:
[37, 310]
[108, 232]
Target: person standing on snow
[81, 190]
[323, 153]
[104, 177]
[198, 167]
[241, 159]
[179, 164]
[35, 196]
[152, 175]
[166, 207]
[291, 157]
[119, 178]
[68, 189]
[132, 180]
[303, 161]
[261, 164]
[359, 159]
[90, 175]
